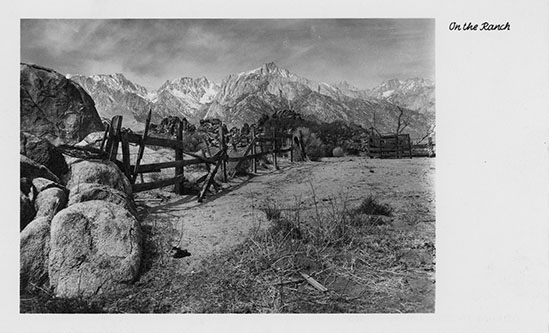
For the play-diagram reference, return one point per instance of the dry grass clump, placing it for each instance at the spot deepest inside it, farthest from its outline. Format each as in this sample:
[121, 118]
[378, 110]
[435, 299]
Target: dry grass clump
[371, 206]
[44, 302]
[366, 267]
[271, 210]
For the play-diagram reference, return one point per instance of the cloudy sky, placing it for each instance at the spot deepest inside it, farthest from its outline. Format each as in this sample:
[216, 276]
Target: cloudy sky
[363, 52]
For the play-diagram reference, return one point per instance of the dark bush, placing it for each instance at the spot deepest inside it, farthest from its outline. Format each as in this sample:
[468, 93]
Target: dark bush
[370, 206]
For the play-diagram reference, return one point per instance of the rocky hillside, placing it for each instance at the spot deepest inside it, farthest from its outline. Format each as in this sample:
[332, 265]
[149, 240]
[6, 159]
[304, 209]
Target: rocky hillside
[55, 108]
[116, 95]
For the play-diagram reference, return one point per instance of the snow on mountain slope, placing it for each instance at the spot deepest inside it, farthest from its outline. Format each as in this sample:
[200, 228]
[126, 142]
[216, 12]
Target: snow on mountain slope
[244, 97]
[115, 94]
[416, 94]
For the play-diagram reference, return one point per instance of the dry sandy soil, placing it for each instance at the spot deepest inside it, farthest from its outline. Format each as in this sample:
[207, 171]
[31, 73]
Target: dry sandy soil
[225, 219]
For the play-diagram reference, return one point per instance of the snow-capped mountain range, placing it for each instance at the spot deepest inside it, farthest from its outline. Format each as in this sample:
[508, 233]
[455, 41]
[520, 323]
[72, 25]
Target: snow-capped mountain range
[245, 96]
[115, 94]
[415, 94]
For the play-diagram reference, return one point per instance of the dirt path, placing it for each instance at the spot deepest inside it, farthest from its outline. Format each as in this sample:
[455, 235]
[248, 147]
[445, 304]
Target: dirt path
[224, 220]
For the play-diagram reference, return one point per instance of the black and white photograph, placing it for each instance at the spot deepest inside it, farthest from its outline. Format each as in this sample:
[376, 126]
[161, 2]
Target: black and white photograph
[228, 166]
[277, 166]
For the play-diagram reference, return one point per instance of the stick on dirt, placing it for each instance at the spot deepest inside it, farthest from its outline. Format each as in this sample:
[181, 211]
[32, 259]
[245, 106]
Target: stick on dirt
[313, 282]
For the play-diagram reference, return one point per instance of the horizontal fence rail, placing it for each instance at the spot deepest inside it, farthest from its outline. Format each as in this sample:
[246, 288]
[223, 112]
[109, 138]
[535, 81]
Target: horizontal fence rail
[259, 145]
[389, 145]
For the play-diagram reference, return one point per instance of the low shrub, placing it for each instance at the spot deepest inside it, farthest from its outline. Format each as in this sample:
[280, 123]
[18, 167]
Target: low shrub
[271, 209]
[371, 206]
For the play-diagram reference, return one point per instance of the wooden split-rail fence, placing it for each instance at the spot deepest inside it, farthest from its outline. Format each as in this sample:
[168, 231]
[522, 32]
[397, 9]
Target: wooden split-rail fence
[398, 146]
[260, 144]
[389, 145]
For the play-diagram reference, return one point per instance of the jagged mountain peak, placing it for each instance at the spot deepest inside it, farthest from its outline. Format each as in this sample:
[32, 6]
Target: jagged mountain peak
[268, 69]
[413, 93]
[115, 82]
[184, 87]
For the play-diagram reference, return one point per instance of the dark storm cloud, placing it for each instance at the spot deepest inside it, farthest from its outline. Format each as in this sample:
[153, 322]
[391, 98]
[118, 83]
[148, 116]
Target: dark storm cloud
[363, 52]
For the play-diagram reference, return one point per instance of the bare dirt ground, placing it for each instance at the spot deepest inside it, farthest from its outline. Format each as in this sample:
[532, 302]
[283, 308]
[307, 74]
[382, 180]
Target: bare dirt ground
[227, 218]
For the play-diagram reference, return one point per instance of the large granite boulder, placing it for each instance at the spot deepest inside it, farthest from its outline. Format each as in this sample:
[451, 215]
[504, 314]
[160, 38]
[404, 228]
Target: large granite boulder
[97, 172]
[34, 248]
[95, 246]
[89, 192]
[43, 152]
[54, 107]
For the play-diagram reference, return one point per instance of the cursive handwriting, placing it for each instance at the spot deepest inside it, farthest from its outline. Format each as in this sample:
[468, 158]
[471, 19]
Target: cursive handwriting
[484, 26]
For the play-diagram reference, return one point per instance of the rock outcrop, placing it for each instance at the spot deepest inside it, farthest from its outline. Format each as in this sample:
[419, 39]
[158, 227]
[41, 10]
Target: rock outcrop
[43, 152]
[54, 107]
[83, 244]
[95, 246]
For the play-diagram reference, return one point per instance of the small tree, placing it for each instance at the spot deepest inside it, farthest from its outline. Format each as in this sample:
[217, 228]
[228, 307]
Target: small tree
[401, 123]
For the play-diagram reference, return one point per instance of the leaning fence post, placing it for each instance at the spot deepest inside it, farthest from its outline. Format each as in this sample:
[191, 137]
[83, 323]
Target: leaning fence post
[179, 171]
[254, 160]
[222, 146]
[141, 148]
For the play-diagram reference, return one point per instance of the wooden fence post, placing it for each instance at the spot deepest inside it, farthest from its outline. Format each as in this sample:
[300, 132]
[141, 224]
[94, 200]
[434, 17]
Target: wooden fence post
[302, 146]
[254, 159]
[409, 145]
[105, 136]
[291, 145]
[398, 146]
[222, 146]
[114, 137]
[275, 161]
[210, 177]
[141, 148]
[380, 148]
[179, 171]
[126, 154]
